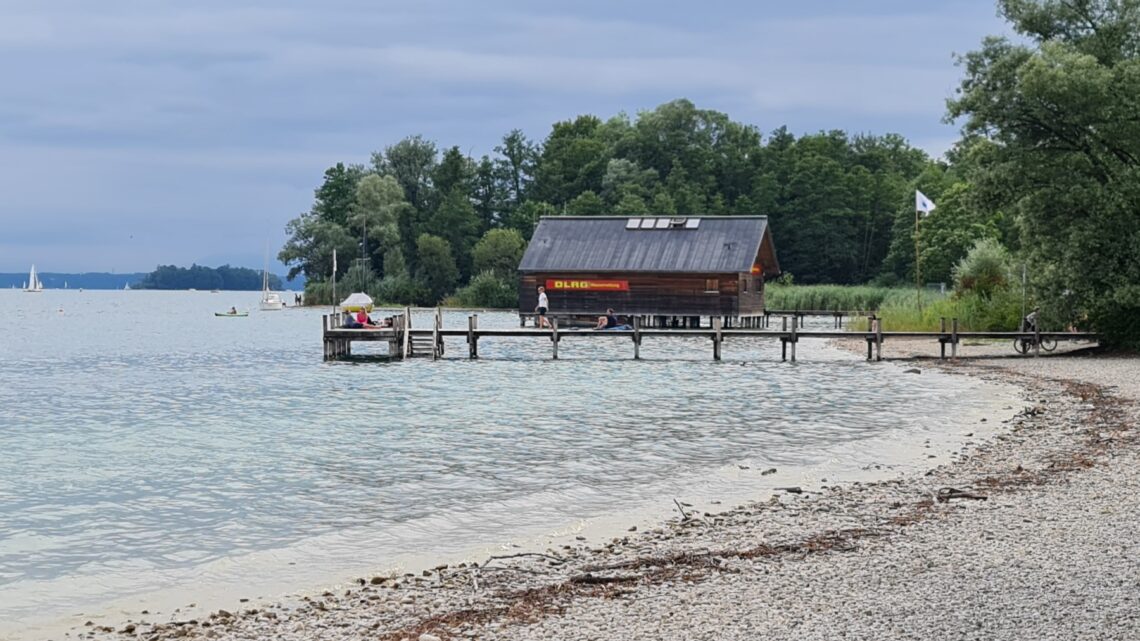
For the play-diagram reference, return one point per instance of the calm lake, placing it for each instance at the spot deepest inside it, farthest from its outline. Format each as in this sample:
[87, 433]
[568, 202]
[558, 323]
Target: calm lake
[155, 455]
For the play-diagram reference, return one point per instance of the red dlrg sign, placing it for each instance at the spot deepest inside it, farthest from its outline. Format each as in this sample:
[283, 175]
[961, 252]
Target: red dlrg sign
[579, 285]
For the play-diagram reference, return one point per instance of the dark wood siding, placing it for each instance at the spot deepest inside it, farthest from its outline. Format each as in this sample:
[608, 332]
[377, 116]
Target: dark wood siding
[649, 294]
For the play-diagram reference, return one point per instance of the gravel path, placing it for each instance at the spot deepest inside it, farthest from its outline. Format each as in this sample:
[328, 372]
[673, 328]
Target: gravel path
[1032, 534]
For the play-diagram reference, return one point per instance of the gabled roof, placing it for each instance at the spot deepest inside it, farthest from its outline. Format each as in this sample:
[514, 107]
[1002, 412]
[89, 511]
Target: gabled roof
[717, 244]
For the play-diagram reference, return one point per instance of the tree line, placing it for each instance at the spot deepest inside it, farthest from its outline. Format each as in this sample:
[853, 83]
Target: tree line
[201, 277]
[1045, 169]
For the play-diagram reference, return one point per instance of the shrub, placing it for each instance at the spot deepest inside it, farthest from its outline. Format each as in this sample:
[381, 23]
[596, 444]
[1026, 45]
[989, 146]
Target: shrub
[983, 270]
[487, 290]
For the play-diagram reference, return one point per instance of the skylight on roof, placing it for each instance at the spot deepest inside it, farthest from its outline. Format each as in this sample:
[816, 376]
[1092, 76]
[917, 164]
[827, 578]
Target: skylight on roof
[633, 223]
[648, 223]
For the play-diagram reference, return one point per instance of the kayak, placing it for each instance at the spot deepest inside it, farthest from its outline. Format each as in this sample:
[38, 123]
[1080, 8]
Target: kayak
[238, 315]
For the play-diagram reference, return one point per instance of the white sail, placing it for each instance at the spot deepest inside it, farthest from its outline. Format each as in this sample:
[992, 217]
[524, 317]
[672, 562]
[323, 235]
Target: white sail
[269, 300]
[33, 284]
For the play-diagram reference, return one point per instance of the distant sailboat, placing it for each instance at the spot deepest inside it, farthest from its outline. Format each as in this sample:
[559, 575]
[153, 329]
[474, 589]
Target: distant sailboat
[269, 300]
[33, 284]
[126, 286]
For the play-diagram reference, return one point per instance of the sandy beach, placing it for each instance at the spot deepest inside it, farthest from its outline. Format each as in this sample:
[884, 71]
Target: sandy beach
[1028, 534]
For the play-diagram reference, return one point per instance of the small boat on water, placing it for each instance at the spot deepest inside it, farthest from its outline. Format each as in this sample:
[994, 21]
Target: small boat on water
[232, 314]
[33, 284]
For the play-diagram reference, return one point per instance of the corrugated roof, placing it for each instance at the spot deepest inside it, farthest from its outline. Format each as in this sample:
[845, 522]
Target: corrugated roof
[720, 244]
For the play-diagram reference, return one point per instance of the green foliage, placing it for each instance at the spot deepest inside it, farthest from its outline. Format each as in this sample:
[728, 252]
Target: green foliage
[984, 270]
[586, 203]
[487, 290]
[1000, 312]
[499, 252]
[206, 278]
[436, 267]
[840, 297]
[1049, 122]
[402, 289]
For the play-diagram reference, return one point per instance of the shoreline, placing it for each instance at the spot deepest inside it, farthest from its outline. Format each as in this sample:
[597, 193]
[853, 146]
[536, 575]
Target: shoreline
[1068, 428]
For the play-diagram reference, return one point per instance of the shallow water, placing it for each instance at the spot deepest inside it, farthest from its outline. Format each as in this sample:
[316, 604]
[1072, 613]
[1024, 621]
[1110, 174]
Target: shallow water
[150, 447]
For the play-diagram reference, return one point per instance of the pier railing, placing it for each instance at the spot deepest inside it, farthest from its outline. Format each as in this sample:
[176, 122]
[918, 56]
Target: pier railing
[405, 341]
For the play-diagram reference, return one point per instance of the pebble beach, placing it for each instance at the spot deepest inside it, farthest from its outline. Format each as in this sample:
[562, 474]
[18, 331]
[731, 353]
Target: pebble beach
[1028, 533]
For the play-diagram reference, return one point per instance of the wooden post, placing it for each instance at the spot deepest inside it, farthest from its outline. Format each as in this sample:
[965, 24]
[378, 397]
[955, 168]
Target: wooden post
[954, 338]
[716, 321]
[1036, 338]
[795, 339]
[435, 334]
[522, 320]
[472, 342]
[942, 338]
[407, 351]
[878, 339]
[636, 338]
[784, 342]
[554, 335]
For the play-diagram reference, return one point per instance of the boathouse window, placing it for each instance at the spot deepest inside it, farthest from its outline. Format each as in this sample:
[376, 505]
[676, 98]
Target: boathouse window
[712, 285]
[745, 287]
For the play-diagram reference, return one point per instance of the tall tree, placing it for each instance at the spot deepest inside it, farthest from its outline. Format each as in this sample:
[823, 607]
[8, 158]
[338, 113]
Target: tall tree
[436, 266]
[1054, 125]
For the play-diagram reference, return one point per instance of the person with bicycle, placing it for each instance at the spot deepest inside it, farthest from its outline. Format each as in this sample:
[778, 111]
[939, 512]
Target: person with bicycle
[1029, 323]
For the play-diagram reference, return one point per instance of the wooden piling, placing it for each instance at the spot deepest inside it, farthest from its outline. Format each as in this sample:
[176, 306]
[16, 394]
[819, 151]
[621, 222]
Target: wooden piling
[716, 322]
[472, 339]
[795, 339]
[878, 339]
[954, 338]
[784, 341]
[554, 335]
[636, 338]
[942, 339]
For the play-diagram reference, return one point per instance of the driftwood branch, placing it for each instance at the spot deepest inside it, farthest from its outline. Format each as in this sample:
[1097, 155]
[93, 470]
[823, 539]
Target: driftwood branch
[521, 554]
[947, 493]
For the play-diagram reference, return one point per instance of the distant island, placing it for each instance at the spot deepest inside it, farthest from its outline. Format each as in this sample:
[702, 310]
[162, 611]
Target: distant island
[163, 277]
[85, 280]
[201, 277]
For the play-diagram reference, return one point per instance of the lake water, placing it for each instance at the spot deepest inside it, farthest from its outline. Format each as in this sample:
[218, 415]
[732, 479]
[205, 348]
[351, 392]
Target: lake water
[154, 455]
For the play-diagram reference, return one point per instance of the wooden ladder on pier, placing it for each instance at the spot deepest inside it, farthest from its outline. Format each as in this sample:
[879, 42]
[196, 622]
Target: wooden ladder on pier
[424, 346]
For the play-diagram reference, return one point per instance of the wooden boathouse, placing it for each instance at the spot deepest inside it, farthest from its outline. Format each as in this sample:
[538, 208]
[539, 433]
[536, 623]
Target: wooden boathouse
[668, 271]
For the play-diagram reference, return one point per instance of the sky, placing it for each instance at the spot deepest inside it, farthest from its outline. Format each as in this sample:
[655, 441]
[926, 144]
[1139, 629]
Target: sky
[142, 132]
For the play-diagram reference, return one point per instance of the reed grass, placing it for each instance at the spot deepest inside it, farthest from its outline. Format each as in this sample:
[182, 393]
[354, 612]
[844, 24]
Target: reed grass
[841, 297]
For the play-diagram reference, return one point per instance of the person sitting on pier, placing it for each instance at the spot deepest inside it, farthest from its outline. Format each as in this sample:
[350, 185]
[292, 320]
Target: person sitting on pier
[364, 320]
[609, 321]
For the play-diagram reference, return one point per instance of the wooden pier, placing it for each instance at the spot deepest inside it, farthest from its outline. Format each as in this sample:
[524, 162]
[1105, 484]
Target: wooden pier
[405, 341]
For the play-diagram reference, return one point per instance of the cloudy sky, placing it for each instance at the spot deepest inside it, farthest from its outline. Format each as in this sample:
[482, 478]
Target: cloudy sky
[138, 132]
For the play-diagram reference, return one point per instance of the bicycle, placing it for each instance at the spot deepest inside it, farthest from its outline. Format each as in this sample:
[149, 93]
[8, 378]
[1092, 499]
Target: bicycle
[1023, 345]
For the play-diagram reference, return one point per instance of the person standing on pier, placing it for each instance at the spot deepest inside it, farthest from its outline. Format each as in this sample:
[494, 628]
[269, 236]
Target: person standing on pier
[542, 308]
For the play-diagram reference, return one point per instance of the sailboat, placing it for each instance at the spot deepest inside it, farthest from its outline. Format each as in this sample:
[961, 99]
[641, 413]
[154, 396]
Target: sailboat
[33, 284]
[269, 300]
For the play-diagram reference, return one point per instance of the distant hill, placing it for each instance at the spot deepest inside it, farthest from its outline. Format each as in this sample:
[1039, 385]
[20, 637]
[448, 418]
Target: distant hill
[88, 280]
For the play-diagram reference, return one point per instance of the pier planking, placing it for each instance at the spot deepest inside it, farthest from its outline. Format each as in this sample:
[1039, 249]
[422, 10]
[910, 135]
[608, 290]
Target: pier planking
[404, 341]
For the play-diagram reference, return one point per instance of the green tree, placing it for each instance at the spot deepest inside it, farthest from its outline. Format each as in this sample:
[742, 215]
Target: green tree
[456, 222]
[573, 160]
[376, 213]
[437, 268]
[1051, 121]
[586, 203]
[516, 166]
[499, 252]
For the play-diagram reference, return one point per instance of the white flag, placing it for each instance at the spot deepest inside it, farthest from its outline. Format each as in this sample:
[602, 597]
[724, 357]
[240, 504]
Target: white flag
[334, 262]
[922, 203]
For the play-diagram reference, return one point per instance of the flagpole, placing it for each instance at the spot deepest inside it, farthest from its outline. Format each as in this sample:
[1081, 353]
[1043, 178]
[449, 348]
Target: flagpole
[917, 265]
